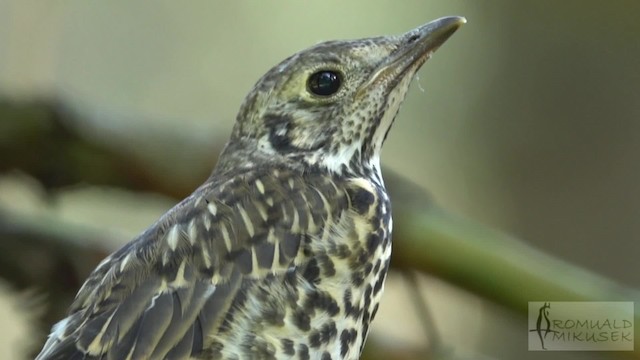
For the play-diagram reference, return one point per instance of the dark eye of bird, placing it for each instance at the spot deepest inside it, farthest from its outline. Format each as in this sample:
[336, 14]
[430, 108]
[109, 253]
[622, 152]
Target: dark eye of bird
[324, 82]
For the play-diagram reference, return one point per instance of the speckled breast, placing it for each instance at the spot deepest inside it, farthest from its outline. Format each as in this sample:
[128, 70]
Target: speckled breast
[322, 307]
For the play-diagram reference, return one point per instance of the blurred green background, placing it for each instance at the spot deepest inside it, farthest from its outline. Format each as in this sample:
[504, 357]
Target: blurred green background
[526, 120]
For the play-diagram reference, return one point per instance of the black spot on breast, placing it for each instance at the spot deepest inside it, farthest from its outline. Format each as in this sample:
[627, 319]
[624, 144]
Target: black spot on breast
[347, 300]
[302, 320]
[332, 308]
[360, 258]
[303, 352]
[378, 285]
[349, 309]
[365, 331]
[345, 342]
[367, 296]
[328, 267]
[367, 269]
[258, 348]
[361, 200]
[314, 339]
[312, 272]
[312, 300]
[328, 332]
[326, 356]
[375, 311]
[321, 301]
[373, 242]
[287, 347]
[357, 278]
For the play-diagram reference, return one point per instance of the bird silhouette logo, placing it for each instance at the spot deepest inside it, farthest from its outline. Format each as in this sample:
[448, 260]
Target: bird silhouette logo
[543, 324]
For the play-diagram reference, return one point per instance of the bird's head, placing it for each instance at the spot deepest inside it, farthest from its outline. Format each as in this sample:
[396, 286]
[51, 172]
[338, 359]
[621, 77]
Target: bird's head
[332, 105]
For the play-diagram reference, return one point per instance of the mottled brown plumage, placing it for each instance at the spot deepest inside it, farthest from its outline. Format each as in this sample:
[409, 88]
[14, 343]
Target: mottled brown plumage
[283, 252]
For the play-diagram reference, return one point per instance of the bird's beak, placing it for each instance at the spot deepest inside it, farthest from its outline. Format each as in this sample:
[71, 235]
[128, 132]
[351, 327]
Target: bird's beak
[413, 48]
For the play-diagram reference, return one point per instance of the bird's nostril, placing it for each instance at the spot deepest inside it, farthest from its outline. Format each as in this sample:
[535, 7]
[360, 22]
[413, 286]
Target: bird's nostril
[413, 38]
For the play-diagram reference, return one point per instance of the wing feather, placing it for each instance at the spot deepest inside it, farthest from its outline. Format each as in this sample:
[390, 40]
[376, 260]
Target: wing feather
[155, 321]
[183, 349]
[163, 295]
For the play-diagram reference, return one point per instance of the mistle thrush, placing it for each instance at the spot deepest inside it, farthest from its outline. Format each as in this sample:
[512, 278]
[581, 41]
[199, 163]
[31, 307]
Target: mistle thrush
[282, 253]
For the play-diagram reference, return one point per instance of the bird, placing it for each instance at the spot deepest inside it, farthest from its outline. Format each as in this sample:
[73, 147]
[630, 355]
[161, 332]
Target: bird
[282, 253]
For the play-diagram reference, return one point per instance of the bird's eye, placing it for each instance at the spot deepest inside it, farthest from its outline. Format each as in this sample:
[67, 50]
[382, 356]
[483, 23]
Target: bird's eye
[324, 82]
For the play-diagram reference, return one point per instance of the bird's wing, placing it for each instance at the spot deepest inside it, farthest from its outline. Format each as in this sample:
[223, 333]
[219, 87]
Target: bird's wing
[162, 294]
